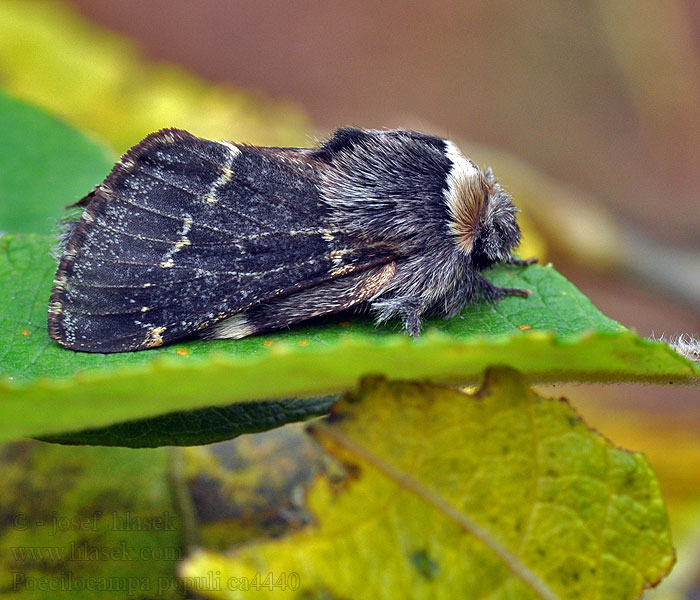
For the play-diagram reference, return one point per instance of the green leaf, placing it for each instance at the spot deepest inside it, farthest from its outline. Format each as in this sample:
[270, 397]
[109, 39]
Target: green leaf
[202, 426]
[502, 494]
[44, 166]
[69, 391]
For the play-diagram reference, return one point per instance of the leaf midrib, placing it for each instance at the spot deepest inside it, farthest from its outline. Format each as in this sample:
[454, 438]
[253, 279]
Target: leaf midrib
[517, 568]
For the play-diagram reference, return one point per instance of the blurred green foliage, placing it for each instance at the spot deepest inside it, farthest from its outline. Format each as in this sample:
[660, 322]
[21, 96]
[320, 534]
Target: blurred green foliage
[45, 164]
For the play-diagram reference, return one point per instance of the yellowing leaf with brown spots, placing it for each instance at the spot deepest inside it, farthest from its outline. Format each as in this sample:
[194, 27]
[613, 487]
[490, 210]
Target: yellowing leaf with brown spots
[500, 494]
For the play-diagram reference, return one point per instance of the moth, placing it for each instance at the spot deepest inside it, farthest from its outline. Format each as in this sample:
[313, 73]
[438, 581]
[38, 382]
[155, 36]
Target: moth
[188, 237]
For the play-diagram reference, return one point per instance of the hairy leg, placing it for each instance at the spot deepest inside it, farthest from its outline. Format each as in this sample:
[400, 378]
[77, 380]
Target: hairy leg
[492, 292]
[407, 308]
[520, 262]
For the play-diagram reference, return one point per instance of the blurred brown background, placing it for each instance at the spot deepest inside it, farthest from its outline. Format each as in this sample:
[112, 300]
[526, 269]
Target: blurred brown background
[545, 79]
[601, 95]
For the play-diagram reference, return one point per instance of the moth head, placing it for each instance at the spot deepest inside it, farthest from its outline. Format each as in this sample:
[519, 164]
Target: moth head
[497, 231]
[482, 214]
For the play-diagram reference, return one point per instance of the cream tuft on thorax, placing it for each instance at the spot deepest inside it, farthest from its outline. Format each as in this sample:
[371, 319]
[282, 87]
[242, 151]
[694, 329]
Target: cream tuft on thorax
[466, 196]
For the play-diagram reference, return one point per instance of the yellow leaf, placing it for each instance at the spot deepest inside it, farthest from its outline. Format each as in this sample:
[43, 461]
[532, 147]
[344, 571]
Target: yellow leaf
[499, 494]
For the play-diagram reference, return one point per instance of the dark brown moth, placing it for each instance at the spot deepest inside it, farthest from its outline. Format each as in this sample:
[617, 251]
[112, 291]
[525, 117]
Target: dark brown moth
[188, 237]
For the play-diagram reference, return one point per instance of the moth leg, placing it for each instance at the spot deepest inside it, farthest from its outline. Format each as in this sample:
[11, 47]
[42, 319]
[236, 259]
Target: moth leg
[412, 323]
[514, 292]
[409, 309]
[85, 200]
[520, 262]
[492, 292]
